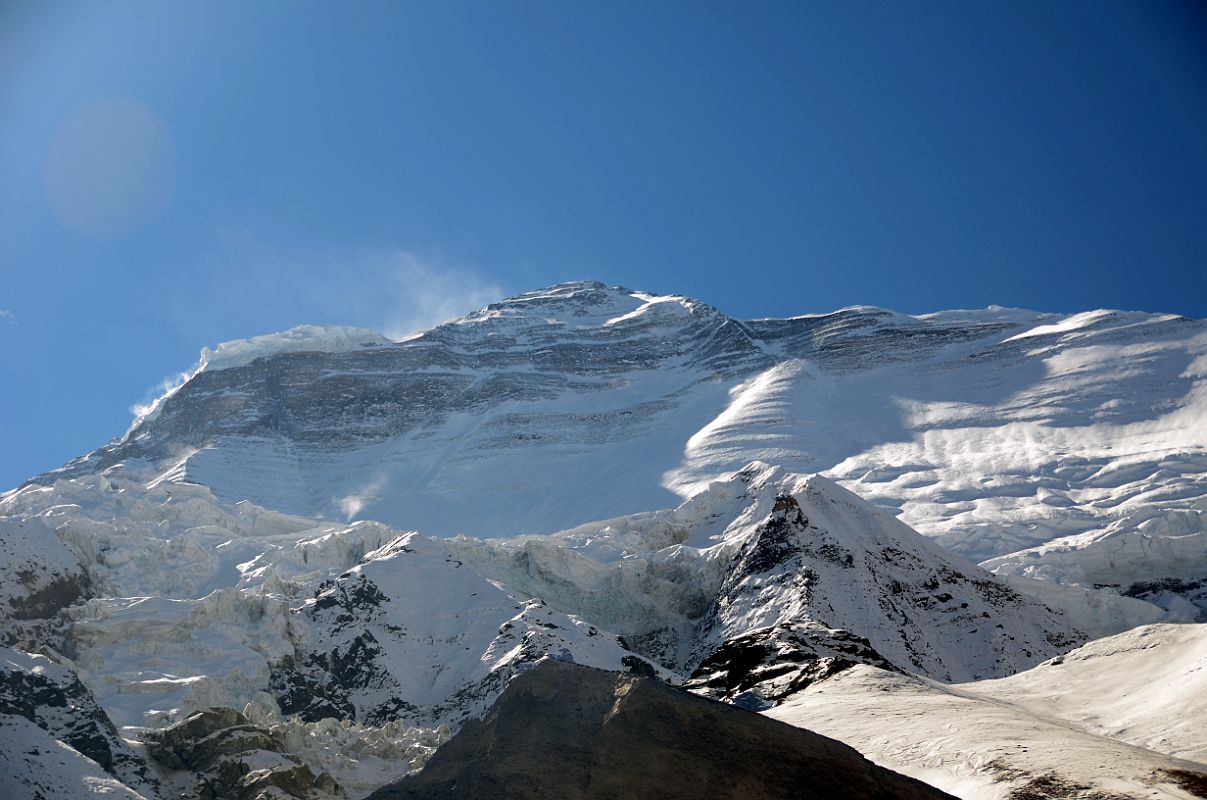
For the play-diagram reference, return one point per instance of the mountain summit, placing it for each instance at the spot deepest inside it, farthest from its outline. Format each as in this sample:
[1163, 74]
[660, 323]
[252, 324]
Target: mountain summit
[995, 430]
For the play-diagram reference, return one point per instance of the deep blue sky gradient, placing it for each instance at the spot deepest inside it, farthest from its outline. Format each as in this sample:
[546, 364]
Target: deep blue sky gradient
[349, 163]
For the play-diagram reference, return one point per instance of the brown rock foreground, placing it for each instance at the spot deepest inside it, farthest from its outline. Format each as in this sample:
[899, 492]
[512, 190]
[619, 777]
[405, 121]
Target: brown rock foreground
[570, 732]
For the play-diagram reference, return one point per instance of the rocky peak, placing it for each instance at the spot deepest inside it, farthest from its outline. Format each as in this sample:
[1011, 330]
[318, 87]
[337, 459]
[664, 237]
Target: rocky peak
[822, 574]
[574, 733]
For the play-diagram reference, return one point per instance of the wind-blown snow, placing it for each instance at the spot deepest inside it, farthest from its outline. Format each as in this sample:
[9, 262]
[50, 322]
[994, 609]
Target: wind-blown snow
[1072, 323]
[301, 339]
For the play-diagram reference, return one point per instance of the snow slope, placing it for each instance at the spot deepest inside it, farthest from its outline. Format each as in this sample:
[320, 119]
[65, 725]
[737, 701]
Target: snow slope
[974, 748]
[36, 766]
[413, 634]
[1121, 716]
[1151, 559]
[1146, 687]
[196, 603]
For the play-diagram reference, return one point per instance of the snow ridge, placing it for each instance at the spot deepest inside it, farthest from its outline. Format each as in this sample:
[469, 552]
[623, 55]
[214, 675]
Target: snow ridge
[300, 339]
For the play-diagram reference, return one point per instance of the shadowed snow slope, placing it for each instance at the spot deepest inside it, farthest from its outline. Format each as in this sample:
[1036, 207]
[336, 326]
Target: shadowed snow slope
[33, 764]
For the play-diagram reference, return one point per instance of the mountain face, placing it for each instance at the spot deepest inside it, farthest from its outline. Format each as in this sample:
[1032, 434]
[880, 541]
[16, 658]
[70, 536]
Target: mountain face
[411, 634]
[823, 558]
[264, 564]
[995, 430]
[793, 565]
[1009, 436]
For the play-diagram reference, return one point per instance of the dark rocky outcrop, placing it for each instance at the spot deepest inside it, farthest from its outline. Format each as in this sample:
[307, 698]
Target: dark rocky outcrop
[235, 760]
[49, 594]
[574, 733]
[1164, 592]
[758, 669]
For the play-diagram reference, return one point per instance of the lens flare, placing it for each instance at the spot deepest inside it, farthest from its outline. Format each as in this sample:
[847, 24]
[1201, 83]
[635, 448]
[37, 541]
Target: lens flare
[110, 168]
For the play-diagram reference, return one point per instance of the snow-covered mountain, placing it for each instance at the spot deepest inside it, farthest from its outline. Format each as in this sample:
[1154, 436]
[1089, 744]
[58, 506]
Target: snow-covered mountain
[995, 431]
[748, 509]
[752, 590]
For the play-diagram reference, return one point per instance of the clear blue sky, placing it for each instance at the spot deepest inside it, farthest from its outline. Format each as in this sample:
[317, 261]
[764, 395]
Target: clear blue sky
[177, 174]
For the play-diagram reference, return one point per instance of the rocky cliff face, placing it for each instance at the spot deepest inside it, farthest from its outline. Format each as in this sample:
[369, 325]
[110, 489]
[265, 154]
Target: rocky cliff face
[218, 753]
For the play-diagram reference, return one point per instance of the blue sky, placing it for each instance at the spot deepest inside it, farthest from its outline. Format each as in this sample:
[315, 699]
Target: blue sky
[177, 174]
